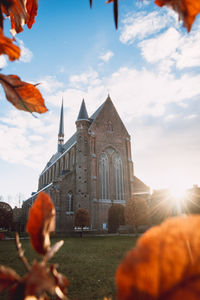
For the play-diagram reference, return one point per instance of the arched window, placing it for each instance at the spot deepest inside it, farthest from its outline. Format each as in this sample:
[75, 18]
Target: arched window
[70, 204]
[104, 176]
[118, 178]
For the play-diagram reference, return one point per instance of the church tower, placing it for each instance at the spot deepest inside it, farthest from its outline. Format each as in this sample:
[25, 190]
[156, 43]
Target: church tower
[82, 161]
[61, 130]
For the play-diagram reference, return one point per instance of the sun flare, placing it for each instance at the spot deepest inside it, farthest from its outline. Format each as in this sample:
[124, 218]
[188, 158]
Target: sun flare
[177, 192]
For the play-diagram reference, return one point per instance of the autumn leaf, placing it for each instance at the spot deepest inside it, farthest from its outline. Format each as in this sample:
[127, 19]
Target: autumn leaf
[61, 283]
[8, 278]
[38, 280]
[20, 12]
[187, 9]
[115, 10]
[32, 7]
[7, 47]
[22, 95]
[41, 222]
[16, 10]
[165, 265]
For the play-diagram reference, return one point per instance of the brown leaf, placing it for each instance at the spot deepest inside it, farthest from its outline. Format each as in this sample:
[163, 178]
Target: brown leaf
[8, 278]
[32, 7]
[7, 47]
[22, 95]
[18, 14]
[187, 9]
[41, 222]
[165, 264]
[38, 281]
[53, 250]
[61, 283]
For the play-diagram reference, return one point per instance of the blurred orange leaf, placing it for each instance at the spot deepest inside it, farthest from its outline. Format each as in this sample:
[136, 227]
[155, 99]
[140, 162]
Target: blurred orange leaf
[18, 14]
[187, 9]
[22, 95]
[7, 47]
[40, 281]
[165, 263]
[41, 222]
[8, 277]
[32, 7]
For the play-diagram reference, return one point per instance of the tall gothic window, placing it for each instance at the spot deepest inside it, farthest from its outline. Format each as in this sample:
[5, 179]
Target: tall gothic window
[118, 178]
[70, 203]
[104, 176]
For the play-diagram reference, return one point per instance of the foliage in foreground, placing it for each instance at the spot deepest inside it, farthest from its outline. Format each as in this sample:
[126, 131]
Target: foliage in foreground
[22, 95]
[41, 279]
[164, 264]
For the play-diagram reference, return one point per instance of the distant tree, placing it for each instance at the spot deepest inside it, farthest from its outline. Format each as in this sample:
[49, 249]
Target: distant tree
[162, 206]
[137, 212]
[191, 204]
[6, 215]
[115, 217]
[82, 219]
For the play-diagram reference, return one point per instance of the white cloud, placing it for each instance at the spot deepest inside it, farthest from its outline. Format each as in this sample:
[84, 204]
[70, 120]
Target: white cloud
[26, 54]
[164, 45]
[3, 61]
[172, 48]
[191, 117]
[170, 118]
[143, 24]
[36, 138]
[87, 78]
[49, 84]
[25, 138]
[107, 56]
[188, 54]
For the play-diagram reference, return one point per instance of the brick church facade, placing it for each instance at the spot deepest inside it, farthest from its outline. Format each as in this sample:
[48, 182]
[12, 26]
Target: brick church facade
[92, 170]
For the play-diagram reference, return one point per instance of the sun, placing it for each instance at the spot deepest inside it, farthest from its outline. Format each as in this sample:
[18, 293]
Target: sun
[178, 192]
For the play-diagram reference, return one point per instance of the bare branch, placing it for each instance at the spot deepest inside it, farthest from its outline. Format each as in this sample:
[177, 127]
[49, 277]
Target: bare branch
[21, 252]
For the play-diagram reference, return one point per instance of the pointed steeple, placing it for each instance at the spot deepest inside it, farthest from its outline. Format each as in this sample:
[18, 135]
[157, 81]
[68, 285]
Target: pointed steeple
[108, 98]
[61, 130]
[83, 115]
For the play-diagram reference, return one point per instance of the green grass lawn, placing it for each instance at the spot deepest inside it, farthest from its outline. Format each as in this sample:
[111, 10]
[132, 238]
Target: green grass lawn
[89, 263]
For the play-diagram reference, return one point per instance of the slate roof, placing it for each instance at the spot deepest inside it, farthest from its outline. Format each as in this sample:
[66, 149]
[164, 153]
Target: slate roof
[72, 140]
[83, 115]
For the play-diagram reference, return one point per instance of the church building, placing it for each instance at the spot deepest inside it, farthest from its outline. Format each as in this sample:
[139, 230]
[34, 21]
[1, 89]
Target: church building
[92, 170]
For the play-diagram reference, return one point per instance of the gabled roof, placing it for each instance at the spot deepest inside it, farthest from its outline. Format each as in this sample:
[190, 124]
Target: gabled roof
[95, 114]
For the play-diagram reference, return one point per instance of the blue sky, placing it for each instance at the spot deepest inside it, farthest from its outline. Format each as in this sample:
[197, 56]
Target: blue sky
[150, 66]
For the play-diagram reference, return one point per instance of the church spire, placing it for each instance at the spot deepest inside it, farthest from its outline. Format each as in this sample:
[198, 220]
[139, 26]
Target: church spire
[83, 115]
[61, 130]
